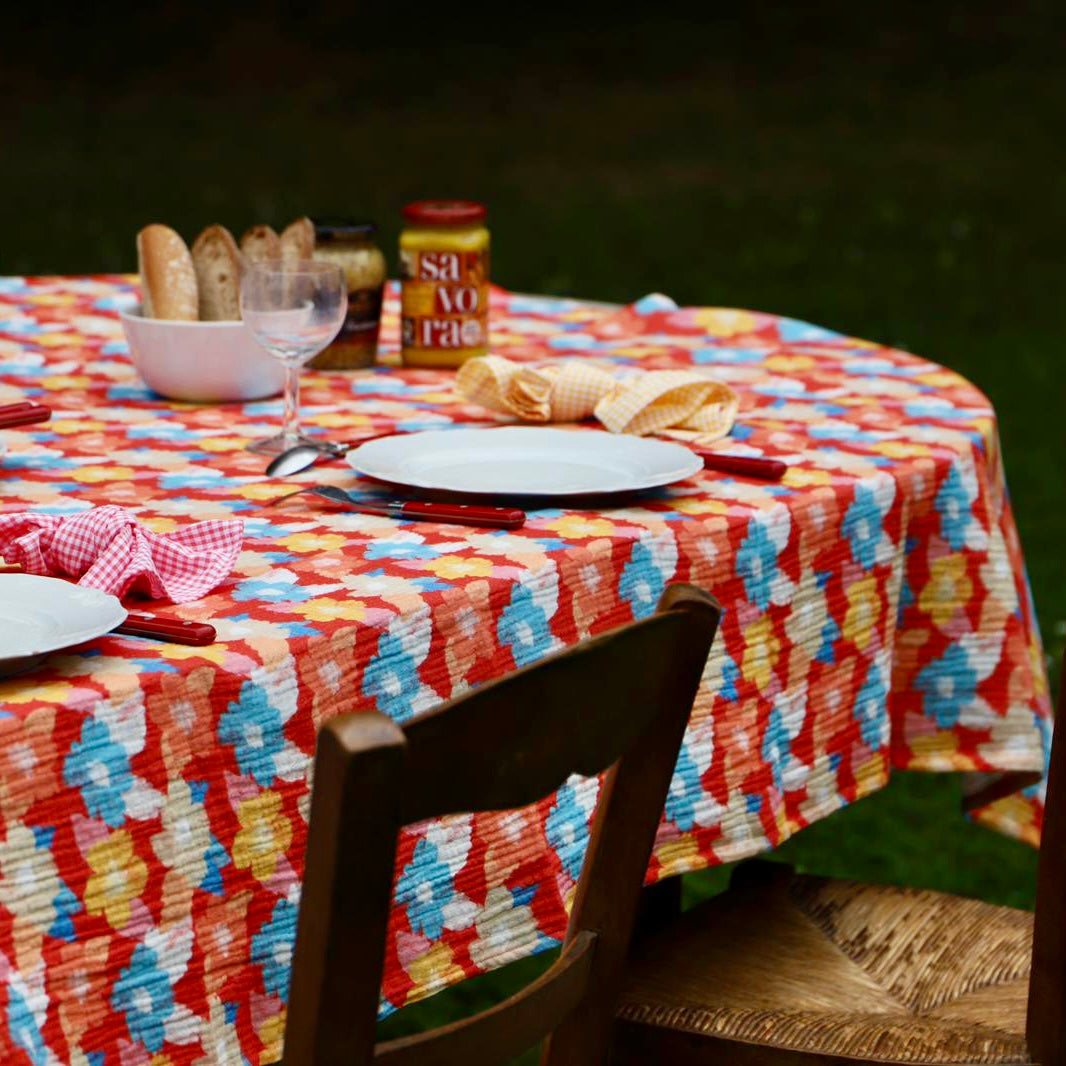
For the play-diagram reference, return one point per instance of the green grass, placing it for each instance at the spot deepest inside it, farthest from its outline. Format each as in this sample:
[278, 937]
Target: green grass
[901, 182]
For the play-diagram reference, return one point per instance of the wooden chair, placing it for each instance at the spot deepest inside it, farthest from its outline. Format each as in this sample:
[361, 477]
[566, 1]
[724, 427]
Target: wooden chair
[787, 969]
[619, 701]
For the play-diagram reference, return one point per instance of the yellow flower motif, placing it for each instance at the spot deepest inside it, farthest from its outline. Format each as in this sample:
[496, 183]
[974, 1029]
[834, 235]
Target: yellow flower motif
[761, 651]
[948, 589]
[263, 490]
[786, 363]
[118, 878]
[313, 542]
[800, 477]
[70, 425]
[215, 653]
[694, 505]
[271, 1034]
[863, 609]
[61, 340]
[722, 322]
[264, 836]
[28, 878]
[453, 566]
[222, 444]
[579, 527]
[903, 449]
[22, 691]
[432, 971]
[325, 609]
[94, 474]
[679, 856]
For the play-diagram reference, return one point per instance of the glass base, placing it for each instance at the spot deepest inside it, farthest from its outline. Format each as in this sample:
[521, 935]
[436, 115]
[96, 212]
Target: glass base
[279, 443]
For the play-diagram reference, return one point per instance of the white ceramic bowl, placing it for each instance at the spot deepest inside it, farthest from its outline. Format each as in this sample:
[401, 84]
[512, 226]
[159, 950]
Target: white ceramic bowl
[201, 362]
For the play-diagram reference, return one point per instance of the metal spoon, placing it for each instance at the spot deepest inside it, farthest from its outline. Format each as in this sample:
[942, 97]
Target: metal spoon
[301, 456]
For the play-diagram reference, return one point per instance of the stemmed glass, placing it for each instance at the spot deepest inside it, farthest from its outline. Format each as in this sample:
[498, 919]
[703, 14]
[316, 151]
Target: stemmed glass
[294, 310]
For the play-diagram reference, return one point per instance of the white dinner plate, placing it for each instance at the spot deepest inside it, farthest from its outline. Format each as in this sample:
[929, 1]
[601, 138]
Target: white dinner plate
[524, 461]
[43, 614]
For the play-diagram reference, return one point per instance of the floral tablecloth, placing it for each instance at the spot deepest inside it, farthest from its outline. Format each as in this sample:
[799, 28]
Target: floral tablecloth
[153, 798]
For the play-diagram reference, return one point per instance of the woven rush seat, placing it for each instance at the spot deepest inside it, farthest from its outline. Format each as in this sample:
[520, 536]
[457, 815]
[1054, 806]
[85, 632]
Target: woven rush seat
[807, 966]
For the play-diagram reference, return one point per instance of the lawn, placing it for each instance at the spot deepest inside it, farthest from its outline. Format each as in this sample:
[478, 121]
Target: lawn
[898, 182]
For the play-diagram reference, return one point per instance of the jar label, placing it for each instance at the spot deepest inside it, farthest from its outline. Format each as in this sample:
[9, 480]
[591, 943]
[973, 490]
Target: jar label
[363, 317]
[445, 299]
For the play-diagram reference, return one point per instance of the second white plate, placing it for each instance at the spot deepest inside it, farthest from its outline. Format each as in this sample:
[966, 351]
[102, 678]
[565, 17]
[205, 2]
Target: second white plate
[43, 614]
[525, 461]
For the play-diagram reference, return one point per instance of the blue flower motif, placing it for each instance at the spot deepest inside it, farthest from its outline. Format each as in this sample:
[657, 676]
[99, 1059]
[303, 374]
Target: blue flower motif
[144, 995]
[391, 678]
[953, 503]
[253, 728]
[776, 745]
[567, 830]
[862, 526]
[523, 627]
[273, 591]
[949, 684]
[870, 708]
[642, 582]
[425, 887]
[390, 549]
[684, 791]
[757, 564]
[272, 948]
[23, 1028]
[100, 768]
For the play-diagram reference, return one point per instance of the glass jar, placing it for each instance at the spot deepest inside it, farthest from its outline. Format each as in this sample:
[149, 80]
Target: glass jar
[351, 246]
[444, 267]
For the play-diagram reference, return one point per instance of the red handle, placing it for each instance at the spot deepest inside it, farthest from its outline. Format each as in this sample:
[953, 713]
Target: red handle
[745, 465]
[23, 414]
[461, 514]
[175, 630]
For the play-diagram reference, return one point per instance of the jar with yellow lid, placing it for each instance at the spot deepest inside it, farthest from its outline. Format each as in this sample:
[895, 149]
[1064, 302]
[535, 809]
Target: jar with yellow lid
[444, 267]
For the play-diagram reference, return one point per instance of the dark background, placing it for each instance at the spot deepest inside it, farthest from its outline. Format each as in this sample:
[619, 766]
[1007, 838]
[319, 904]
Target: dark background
[898, 175]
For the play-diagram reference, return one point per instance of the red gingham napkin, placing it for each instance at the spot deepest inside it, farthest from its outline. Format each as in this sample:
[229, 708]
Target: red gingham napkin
[108, 549]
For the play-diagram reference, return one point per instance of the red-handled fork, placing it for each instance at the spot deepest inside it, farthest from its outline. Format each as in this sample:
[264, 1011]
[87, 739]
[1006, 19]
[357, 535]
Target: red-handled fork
[24, 413]
[174, 630]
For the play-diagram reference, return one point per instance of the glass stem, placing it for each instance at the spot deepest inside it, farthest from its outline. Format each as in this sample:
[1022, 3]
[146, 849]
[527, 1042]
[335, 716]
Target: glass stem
[291, 425]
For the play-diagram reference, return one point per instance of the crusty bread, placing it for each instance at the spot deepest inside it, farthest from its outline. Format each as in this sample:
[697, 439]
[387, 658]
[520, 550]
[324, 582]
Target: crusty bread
[298, 240]
[218, 274]
[168, 279]
[259, 243]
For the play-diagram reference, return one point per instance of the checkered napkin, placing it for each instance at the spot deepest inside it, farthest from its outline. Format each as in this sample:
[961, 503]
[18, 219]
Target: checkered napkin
[681, 402]
[107, 548]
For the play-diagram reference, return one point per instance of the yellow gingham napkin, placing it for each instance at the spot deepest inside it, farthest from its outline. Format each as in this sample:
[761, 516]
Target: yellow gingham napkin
[685, 403]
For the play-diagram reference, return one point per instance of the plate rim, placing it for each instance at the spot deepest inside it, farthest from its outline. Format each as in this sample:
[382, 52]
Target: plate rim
[70, 639]
[684, 471]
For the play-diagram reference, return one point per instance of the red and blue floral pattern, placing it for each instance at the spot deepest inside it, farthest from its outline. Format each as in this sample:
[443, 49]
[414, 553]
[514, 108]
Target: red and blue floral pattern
[154, 798]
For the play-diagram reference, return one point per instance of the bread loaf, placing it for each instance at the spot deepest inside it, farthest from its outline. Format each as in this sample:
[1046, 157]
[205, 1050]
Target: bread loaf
[259, 243]
[218, 274]
[168, 278]
[298, 241]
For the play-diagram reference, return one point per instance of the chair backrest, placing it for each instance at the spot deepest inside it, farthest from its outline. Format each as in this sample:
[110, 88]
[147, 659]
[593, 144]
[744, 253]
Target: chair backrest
[1046, 1022]
[618, 702]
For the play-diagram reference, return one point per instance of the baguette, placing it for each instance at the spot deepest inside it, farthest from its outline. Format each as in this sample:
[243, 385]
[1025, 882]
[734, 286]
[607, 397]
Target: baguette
[298, 241]
[259, 243]
[218, 274]
[168, 278]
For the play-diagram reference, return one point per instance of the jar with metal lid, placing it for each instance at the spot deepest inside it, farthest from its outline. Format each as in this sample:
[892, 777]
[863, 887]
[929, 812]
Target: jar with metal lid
[444, 267]
[351, 246]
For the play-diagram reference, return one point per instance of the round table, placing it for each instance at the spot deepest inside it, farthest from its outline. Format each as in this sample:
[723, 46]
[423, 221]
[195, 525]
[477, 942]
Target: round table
[154, 797]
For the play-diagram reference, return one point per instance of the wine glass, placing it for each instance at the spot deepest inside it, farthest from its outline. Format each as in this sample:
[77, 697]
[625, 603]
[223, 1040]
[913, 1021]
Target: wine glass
[293, 310]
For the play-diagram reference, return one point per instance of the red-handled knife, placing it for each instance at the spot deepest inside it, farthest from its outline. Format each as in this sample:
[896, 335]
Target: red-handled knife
[23, 414]
[744, 465]
[175, 630]
[456, 514]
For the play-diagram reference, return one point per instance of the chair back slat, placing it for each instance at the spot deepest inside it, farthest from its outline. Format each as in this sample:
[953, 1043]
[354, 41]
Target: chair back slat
[501, 1033]
[519, 739]
[1046, 1020]
[617, 703]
